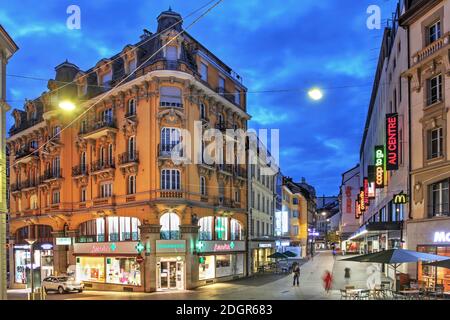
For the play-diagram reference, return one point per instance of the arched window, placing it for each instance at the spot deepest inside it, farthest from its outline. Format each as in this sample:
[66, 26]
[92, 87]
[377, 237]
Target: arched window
[132, 184]
[236, 230]
[170, 226]
[131, 107]
[205, 232]
[170, 97]
[221, 228]
[132, 148]
[202, 111]
[202, 185]
[110, 154]
[170, 179]
[170, 137]
[83, 162]
[33, 202]
[119, 229]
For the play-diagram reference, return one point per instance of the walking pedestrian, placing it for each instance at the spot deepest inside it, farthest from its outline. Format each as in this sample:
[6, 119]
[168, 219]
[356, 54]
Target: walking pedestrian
[334, 254]
[347, 275]
[296, 270]
[327, 280]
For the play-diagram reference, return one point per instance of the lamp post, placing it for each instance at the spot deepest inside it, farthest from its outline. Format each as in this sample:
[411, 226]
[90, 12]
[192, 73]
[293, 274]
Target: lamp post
[31, 243]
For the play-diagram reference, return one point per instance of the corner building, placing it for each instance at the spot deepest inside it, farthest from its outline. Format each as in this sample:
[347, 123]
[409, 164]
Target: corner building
[105, 188]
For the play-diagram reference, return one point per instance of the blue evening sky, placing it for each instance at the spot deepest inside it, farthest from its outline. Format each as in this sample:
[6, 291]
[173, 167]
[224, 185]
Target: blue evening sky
[290, 44]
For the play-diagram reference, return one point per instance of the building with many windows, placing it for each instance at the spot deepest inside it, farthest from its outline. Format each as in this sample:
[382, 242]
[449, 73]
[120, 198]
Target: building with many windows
[298, 214]
[261, 214]
[106, 198]
[7, 49]
[428, 229]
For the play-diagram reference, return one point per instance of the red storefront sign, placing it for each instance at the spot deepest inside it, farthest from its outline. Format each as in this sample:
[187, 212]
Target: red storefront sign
[366, 191]
[348, 194]
[392, 141]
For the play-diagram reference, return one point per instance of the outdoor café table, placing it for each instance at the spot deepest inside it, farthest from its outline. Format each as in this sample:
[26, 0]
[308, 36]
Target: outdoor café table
[410, 294]
[380, 293]
[353, 293]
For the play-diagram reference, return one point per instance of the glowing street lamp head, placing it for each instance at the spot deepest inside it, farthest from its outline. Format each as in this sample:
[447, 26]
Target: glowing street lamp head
[67, 105]
[315, 94]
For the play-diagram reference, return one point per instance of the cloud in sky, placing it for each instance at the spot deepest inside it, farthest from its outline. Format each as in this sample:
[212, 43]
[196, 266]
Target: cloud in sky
[273, 44]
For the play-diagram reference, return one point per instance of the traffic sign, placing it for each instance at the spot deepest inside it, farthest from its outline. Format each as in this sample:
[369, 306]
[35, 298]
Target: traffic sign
[139, 258]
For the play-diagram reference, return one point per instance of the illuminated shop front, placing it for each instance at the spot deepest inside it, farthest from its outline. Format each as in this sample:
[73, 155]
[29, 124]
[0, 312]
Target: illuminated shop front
[106, 265]
[170, 264]
[432, 236]
[21, 256]
[219, 260]
[259, 252]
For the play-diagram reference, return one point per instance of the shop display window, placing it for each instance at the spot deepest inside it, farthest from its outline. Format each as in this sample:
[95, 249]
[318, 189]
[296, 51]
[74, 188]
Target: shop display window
[223, 266]
[206, 232]
[236, 230]
[90, 269]
[206, 267]
[23, 264]
[432, 276]
[123, 271]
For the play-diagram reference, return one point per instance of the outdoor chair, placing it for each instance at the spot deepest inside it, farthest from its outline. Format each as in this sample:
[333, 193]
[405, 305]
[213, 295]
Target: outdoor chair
[349, 287]
[344, 295]
[364, 295]
[438, 292]
[397, 296]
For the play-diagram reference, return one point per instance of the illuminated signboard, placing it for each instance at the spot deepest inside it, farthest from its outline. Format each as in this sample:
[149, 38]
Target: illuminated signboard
[63, 241]
[379, 166]
[170, 246]
[441, 237]
[220, 246]
[400, 198]
[366, 191]
[348, 194]
[362, 201]
[357, 211]
[392, 141]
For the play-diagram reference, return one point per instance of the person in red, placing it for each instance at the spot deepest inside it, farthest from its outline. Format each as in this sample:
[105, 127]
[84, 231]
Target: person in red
[327, 280]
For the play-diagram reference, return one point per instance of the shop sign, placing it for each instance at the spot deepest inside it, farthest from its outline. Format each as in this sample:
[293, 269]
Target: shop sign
[139, 258]
[366, 191]
[265, 245]
[440, 237]
[63, 241]
[47, 246]
[22, 247]
[128, 247]
[392, 141]
[371, 190]
[170, 246]
[357, 209]
[362, 201]
[220, 246]
[379, 166]
[400, 198]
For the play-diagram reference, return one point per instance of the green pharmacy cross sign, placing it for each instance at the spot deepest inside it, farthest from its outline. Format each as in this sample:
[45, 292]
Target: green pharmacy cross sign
[140, 247]
[113, 246]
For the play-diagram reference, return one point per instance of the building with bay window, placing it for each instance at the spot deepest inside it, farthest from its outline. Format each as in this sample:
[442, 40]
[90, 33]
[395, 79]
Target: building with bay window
[428, 228]
[122, 213]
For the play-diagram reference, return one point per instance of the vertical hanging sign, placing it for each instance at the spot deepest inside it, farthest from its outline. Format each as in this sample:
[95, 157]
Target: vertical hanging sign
[379, 166]
[392, 141]
[357, 211]
[362, 200]
[366, 191]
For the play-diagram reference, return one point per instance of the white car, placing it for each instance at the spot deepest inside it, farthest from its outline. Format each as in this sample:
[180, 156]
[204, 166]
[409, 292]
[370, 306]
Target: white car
[62, 284]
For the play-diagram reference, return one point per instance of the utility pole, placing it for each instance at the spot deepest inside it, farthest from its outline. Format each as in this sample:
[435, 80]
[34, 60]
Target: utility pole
[7, 49]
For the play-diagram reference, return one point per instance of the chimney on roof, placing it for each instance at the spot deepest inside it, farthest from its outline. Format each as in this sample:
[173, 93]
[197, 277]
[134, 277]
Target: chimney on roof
[303, 180]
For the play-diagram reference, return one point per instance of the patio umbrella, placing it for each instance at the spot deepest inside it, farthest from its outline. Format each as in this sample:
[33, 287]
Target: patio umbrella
[290, 254]
[277, 256]
[441, 264]
[395, 257]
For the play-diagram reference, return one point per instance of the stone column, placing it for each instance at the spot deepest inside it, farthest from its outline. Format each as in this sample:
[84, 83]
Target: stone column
[59, 255]
[149, 234]
[71, 259]
[190, 234]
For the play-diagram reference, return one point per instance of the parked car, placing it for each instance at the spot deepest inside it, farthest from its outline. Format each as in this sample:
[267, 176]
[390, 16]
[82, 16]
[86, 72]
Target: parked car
[62, 284]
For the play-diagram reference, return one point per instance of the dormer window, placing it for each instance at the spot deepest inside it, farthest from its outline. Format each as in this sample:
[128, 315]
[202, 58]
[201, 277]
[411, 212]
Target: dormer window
[105, 79]
[171, 53]
[131, 66]
[82, 89]
[204, 71]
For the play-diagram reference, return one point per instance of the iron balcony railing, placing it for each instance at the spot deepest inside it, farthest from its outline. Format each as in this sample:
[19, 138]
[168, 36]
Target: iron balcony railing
[165, 150]
[102, 165]
[128, 157]
[97, 125]
[54, 173]
[80, 170]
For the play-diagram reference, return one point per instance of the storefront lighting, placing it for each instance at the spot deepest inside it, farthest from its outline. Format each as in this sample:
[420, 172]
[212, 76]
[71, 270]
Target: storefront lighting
[358, 235]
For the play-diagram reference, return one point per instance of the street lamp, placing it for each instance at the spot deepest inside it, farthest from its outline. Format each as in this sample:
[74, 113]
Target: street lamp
[315, 94]
[67, 105]
[31, 242]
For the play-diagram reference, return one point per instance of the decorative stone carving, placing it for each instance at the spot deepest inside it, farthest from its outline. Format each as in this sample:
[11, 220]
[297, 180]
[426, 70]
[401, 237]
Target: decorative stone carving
[418, 192]
[130, 127]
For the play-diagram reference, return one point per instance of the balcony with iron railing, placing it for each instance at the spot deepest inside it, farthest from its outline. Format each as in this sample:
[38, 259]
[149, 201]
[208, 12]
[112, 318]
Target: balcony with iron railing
[165, 150]
[225, 168]
[171, 194]
[432, 48]
[51, 174]
[26, 154]
[97, 129]
[29, 184]
[240, 172]
[101, 165]
[221, 201]
[80, 170]
[128, 158]
[230, 96]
